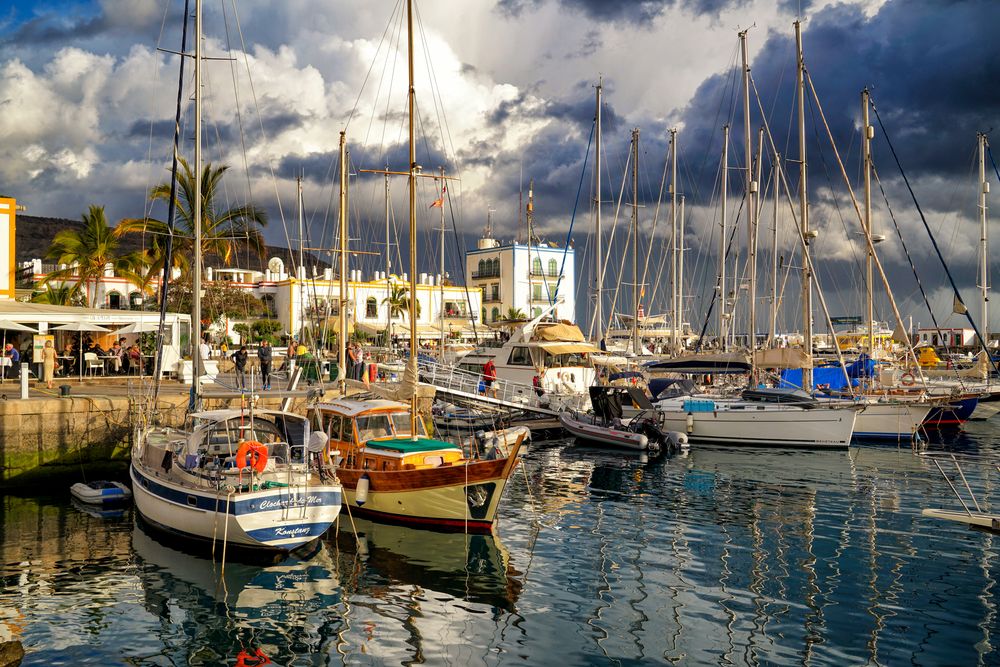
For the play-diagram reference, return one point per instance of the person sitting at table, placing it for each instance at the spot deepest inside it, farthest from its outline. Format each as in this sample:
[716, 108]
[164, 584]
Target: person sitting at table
[14, 369]
[68, 362]
[114, 364]
[98, 350]
[134, 359]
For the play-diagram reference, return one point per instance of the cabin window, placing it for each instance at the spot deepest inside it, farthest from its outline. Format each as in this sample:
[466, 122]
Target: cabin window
[334, 424]
[385, 465]
[372, 426]
[401, 423]
[433, 461]
[519, 356]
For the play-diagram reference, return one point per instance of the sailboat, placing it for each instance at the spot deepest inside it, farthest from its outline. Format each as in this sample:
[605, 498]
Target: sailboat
[390, 468]
[243, 477]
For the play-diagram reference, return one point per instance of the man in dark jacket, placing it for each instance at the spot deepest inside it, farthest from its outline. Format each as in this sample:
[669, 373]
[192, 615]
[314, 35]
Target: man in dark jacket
[240, 360]
[264, 354]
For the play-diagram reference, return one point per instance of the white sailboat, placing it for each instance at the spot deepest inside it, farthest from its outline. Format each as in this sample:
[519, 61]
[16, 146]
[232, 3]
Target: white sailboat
[242, 477]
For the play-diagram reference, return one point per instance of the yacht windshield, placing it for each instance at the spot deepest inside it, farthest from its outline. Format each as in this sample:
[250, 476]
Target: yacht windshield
[401, 422]
[372, 426]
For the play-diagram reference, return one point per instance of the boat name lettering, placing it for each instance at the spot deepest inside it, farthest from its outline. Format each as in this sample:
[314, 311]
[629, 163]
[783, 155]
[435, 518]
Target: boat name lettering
[294, 501]
[292, 532]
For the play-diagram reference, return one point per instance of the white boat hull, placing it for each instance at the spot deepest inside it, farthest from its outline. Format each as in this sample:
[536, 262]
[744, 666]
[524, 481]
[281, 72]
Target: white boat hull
[604, 436]
[890, 420]
[823, 428]
[278, 518]
[977, 519]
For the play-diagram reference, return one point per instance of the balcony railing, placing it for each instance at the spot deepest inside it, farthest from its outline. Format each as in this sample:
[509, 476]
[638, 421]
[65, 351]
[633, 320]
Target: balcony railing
[486, 273]
[492, 298]
[544, 274]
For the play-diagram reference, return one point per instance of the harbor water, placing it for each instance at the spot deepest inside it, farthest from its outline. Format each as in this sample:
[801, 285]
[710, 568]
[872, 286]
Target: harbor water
[718, 556]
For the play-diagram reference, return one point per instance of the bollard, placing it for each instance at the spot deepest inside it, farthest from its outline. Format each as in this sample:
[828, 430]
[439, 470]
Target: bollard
[24, 380]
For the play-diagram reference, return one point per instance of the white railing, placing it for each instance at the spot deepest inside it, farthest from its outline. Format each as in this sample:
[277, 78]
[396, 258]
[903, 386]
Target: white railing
[509, 393]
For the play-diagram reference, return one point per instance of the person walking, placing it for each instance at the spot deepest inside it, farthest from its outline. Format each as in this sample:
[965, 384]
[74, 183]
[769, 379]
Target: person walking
[240, 357]
[352, 362]
[490, 376]
[48, 363]
[265, 354]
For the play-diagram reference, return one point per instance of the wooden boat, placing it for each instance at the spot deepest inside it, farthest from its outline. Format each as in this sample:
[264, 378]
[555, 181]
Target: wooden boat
[394, 472]
[101, 492]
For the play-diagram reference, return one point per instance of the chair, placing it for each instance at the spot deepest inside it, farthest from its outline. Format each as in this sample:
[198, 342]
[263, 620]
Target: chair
[93, 363]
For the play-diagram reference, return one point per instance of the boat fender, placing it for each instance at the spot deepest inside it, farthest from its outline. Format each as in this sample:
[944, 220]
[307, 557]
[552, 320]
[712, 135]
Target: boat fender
[361, 492]
[244, 659]
[257, 452]
[907, 379]
[689, 424]
[678, 440]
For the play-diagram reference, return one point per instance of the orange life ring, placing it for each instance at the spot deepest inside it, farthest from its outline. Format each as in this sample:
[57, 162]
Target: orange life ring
[907, 379]
[257, 452]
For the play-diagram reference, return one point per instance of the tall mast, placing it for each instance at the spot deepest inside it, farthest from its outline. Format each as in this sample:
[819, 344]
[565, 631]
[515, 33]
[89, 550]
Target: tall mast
[984, 274]
[724, 188]
[302, 261]
[675, 310]
[196, 364]
[807, 328]
[772, 331]
[635, 241]
[680, 269]
[866, 154]
[342, 310]
[388, 265]
[751, 204]
[757, 210]
[411, 99]
[598, 241]
[441, 276]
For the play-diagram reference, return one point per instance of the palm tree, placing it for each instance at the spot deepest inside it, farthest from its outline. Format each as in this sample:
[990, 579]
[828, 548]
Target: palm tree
[58, 295]
[223, 233]
[90, 251]
[399, 302]
[515, 314]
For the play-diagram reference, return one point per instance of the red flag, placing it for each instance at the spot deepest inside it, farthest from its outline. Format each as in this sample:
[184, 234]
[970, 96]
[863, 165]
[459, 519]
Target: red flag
[437, 203]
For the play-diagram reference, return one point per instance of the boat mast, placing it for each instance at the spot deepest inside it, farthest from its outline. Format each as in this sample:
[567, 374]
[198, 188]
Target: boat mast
[412, 178]
[342, 310]
[772, 331]
[757, 209]
[724, 188]
[599, 251]
[866, 155]
[441, 277]
[196, 360]
[302, 261]
[675, 314]
[804, 215]
[984, 277]
[388, 266]
[751, 203]
[680, 268]
[635, 241]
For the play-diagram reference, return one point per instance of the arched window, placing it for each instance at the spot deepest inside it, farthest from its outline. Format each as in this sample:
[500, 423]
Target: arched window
[114, 300]
[495, 314]
[496, 267]
[371, 308]
[536, 266]
[553, 267]
[482, 267]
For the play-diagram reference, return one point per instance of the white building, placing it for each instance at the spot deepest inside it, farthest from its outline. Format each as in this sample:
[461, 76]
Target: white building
[526, 278]
[947, 337]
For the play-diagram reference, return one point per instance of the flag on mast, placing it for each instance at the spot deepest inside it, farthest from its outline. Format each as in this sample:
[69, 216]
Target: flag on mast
[439, 203]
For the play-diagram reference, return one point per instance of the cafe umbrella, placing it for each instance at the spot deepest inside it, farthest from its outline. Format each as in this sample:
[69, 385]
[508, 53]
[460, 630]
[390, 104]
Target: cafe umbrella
[81, 327]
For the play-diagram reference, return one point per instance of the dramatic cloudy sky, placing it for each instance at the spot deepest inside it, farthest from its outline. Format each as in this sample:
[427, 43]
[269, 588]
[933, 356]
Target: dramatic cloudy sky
[87, 101]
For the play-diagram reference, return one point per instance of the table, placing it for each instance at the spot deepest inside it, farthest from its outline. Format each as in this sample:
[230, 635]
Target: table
[109, 360]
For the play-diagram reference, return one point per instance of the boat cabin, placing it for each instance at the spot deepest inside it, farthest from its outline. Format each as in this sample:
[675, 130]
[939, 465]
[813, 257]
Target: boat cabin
[379, 435]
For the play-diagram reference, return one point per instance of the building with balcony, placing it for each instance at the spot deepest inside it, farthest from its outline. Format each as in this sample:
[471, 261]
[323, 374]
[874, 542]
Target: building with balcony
[522, 277]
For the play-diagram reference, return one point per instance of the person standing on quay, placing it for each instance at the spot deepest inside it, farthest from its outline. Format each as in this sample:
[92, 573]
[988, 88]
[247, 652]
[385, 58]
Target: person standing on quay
[264, 354]
[240, 357]
[48, 363]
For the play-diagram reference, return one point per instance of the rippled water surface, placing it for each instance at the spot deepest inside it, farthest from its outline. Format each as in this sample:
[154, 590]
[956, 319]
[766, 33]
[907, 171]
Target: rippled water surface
[716, 557]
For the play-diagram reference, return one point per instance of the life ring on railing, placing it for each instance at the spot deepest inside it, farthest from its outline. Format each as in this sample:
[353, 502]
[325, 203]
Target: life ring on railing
[257, 452]
[907, 379]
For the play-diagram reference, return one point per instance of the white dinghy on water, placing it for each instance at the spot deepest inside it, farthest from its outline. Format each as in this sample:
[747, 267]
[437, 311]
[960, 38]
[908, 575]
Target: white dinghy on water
[101, 492]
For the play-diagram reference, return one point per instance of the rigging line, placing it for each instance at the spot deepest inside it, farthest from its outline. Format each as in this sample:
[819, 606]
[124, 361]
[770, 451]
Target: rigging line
[652, 234]
[378, 90]
[906, 251]
[572, 219]
[614, 228]
[923, 219]
[364, 82]
[171, 211]
[260, 120]
[465, 281]
[722, 290]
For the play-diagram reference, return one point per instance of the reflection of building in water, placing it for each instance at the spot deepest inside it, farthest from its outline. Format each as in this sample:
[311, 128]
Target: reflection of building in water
[435, 587]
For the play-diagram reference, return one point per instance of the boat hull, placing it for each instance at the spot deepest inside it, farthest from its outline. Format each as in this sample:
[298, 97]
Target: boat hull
[890, 421]
[953, 414]
[278, 519]
[599, 435]
[463, 497]
[975, 519]
[819, 428]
